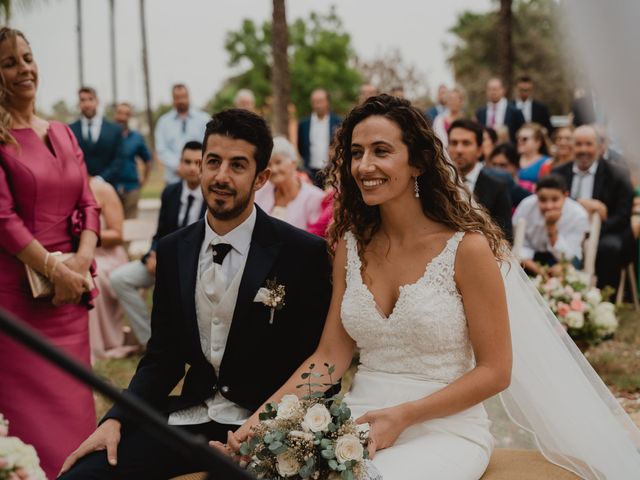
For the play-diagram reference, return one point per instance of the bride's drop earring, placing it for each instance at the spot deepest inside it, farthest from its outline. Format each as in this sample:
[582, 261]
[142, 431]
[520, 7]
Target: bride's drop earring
[416, 188]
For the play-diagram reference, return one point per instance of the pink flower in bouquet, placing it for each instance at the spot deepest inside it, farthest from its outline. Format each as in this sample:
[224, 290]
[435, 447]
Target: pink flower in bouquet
[563, 309]
[577, 305]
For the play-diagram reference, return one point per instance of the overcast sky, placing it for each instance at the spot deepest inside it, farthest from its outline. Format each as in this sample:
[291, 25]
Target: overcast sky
[186, 40]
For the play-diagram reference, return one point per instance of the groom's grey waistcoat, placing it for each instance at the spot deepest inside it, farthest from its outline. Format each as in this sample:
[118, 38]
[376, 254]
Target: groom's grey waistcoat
[259, 357]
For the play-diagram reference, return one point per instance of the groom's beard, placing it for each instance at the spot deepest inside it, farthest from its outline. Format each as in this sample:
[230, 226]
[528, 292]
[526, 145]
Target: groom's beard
[231, 208]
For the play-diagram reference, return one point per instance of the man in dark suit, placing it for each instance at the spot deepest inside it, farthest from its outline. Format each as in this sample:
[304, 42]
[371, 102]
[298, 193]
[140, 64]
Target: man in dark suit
[207, 313]
[532, 109]
[99, 139]
[315, 134]
[181, 205]
[465, 149]
[498, 112]
[603, 188]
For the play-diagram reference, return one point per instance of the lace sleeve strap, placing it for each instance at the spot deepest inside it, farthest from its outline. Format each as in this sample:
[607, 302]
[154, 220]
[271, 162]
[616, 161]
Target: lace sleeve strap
[353, 260]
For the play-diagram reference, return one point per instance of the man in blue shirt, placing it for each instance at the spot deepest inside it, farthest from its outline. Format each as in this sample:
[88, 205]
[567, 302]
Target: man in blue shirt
[175, 128]
[133, 148]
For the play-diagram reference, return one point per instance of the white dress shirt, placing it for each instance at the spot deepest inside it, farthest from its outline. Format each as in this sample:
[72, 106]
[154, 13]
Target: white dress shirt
[471, 178]
[196, 206]
[582, 182]
[525, 108]
[572, 228]
[215, 303]
[501, 110]
[171, 134]
[96, 126]
[319, 138]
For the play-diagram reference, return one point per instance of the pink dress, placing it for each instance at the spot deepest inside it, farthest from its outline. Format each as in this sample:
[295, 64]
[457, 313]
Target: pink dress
[302, 211]
[45, 197]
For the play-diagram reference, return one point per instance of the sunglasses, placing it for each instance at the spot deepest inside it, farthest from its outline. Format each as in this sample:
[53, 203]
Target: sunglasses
[524, 139]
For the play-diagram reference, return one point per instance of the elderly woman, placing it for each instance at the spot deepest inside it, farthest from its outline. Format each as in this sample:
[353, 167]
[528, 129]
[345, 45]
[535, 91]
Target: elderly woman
[286, 196]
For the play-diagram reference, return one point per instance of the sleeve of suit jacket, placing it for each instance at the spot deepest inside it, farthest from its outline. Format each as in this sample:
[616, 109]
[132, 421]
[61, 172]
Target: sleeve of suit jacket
[619, 208]
[111, 174]
[162, 366]
[502, 210]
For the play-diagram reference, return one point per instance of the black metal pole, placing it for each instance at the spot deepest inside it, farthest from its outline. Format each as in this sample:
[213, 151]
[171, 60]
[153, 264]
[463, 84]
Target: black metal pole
[190, 446]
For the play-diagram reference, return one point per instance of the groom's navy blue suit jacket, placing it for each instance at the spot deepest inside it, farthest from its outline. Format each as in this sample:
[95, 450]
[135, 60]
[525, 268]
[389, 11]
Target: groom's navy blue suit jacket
[259, 357]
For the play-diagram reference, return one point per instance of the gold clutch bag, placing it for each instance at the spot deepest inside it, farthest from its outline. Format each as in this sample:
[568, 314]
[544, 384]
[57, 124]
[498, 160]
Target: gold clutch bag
[41, 287]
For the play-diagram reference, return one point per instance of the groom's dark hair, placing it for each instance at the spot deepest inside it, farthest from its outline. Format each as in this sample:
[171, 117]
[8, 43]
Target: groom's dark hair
[244, 125]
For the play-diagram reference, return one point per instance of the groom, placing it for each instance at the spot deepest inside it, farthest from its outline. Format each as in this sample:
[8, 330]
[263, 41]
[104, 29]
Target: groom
[207, 313]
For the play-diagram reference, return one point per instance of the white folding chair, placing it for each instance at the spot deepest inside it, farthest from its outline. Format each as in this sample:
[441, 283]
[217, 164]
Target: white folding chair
[591, 247]
[518, 238]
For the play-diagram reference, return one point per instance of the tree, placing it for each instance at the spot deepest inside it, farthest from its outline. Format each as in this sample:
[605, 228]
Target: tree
[145, 72]
[80, 45]
[538, 50]
[320, 55]
[280, 81]
[505, 43]
[112, 38]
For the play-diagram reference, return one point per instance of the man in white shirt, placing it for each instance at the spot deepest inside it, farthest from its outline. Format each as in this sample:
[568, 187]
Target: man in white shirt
[315, 133]
[182, 204]
[532, 109]
[175, 128]
[207, 314]
[555, 225]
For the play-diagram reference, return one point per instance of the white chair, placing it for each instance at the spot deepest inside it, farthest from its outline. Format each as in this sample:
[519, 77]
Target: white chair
[591, 247]
[518, 238]
[630, 272]
[137, 233]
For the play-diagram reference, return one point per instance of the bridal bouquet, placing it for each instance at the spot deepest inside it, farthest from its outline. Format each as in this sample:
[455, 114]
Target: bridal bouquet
[581, 309]
[17, 460]
[313, 437]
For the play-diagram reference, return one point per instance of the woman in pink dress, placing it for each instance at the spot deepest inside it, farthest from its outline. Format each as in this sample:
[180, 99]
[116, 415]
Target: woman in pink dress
[105, 320]
[45, 206]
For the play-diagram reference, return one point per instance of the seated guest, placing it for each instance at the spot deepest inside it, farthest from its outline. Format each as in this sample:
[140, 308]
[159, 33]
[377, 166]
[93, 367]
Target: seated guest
[182, 204]
[533, 150]
[562, 149]
[465, 149]
[555, 225]
[454, 111]
[489, 141]
[105, 320]
[504, 158]
[321, 226]
[604, 188]
[286, 196]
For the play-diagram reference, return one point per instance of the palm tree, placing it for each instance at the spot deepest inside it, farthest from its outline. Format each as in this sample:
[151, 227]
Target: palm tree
[280, 82]
[145, 71]
[112, 32]
[79, 30]
[505, 44]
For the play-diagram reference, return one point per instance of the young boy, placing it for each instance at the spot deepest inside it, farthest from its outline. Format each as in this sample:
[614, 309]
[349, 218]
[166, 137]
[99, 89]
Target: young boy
[555, 225]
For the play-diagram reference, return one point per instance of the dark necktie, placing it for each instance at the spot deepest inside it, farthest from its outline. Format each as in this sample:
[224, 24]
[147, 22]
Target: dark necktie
[220, 251]
[89, 133]
[185, 219]
[184, 125]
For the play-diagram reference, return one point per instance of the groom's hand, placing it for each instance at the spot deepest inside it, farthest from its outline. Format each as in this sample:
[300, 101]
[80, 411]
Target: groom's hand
[106, 437]
[385, 426]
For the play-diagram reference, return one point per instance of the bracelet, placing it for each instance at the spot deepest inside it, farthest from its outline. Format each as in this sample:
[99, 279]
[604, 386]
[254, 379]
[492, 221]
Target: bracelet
[55, 265]
[46, 264]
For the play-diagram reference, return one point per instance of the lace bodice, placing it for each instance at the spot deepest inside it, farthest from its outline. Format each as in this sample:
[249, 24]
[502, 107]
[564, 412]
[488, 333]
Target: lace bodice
[425, 334]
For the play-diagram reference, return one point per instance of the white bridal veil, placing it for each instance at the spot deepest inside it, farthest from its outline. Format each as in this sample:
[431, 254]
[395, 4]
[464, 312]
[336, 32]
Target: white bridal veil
[557, 396]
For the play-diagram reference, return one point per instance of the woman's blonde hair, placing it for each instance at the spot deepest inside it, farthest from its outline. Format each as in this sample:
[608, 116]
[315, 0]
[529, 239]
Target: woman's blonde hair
[6, 120]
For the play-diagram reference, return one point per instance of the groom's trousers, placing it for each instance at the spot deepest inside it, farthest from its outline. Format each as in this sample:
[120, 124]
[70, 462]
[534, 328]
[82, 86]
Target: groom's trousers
[143, 456]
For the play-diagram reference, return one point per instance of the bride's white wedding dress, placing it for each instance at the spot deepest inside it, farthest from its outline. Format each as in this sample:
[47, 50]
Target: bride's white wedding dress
[424, 345]
[419, 349]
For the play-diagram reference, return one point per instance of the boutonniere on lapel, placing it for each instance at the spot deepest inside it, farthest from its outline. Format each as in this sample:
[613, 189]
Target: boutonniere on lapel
[272, 296]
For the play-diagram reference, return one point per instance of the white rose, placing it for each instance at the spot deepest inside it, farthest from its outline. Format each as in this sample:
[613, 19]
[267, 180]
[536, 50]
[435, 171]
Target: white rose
[593, 297]
[317, 418]
[287, 465]
[288, 407]
[575, 319]
[348, 447]
[604, 316]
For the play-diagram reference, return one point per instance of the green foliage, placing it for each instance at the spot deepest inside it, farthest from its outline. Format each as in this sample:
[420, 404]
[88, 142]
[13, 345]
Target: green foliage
[320, 55]
[539, 48]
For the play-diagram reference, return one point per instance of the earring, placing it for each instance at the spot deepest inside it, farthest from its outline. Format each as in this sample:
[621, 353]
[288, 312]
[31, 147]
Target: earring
[416, 187]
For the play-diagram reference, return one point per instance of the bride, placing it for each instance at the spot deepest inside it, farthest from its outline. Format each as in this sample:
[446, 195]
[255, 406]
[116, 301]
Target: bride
[418, 289]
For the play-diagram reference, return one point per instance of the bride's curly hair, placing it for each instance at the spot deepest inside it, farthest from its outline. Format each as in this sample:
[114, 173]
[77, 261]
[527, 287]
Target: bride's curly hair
[442, 195]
